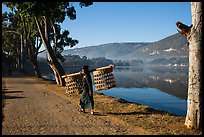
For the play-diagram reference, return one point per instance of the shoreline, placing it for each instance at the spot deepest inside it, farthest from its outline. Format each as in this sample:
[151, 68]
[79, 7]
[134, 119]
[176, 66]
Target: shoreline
[119, 111]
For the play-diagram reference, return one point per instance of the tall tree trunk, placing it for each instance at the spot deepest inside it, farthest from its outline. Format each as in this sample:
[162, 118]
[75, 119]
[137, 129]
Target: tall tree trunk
[55, 40]
[194, 109]
[18, 58]
[33, 58]
[53, 62]
[24, 49]
[36, 67]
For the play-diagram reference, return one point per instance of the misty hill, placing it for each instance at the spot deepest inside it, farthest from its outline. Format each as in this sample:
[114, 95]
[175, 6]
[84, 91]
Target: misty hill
[170, 50]
[110, 51]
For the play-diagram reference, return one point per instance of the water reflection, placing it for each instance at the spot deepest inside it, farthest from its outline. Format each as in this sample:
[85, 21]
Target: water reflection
[172, 80]
[150, 97]
[163, 87]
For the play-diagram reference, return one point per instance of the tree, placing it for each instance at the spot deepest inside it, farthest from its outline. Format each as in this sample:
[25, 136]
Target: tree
[194, 37]
[46, 16]
[23, 25]
[60, 41]
[10, 38]
[30, 35]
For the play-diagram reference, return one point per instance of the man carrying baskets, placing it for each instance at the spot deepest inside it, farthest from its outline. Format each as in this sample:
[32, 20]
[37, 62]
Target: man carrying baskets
[86, 100]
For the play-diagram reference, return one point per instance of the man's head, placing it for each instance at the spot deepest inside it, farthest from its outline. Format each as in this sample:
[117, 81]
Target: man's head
[85, 68]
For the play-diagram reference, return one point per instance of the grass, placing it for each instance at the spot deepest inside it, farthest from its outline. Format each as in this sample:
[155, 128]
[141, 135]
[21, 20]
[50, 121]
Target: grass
[156, 121]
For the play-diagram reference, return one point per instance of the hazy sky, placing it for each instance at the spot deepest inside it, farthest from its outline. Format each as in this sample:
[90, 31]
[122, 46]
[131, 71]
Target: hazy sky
[108, 22]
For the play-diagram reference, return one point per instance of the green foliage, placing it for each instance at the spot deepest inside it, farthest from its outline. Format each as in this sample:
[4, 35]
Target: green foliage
[56, 12]
[85, 4]
[121, 63]
[62, 40]
[76, 60]
[10, 36]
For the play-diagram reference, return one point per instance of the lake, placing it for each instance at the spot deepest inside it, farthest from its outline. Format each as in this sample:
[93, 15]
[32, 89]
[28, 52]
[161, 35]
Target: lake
[163, 88]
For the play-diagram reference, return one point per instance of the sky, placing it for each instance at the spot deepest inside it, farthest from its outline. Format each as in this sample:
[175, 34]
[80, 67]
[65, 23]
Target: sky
[110, 22]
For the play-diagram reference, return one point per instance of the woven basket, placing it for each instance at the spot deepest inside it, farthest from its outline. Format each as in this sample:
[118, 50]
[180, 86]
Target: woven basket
[104, 78]
[73, 83]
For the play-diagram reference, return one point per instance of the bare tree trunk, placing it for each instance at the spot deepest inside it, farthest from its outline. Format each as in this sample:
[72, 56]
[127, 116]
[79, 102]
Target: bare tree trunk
[25, 48]
[55, 40]
[52, 60]
[36, 67]
[194, 110]
[33, 58]
[18, 58]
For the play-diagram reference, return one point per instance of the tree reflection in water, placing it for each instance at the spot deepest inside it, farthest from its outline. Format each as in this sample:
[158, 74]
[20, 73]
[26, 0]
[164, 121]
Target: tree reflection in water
[163, 88]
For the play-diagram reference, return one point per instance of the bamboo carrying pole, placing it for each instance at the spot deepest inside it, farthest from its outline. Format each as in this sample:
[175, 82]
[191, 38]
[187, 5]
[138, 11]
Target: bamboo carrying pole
[69, 75]
[106, 67]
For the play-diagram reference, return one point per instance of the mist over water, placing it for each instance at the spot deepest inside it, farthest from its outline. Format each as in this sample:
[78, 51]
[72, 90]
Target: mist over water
[172, 80]
[163, 88]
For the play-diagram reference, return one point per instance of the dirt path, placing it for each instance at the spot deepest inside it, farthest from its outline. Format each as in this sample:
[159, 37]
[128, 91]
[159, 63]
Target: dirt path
[37, 107]
[33, 106]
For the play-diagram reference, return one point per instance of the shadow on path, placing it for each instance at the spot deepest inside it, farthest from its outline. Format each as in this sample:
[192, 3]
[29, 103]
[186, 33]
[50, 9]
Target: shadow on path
[147, 111]
[11, 97]
[11, 91]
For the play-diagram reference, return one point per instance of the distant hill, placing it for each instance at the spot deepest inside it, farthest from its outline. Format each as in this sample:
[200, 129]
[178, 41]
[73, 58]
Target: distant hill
[111, 50]
[170, 50]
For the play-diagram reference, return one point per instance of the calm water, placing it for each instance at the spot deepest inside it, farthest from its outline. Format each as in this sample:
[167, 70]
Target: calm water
[163, 88]
[151, 97]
